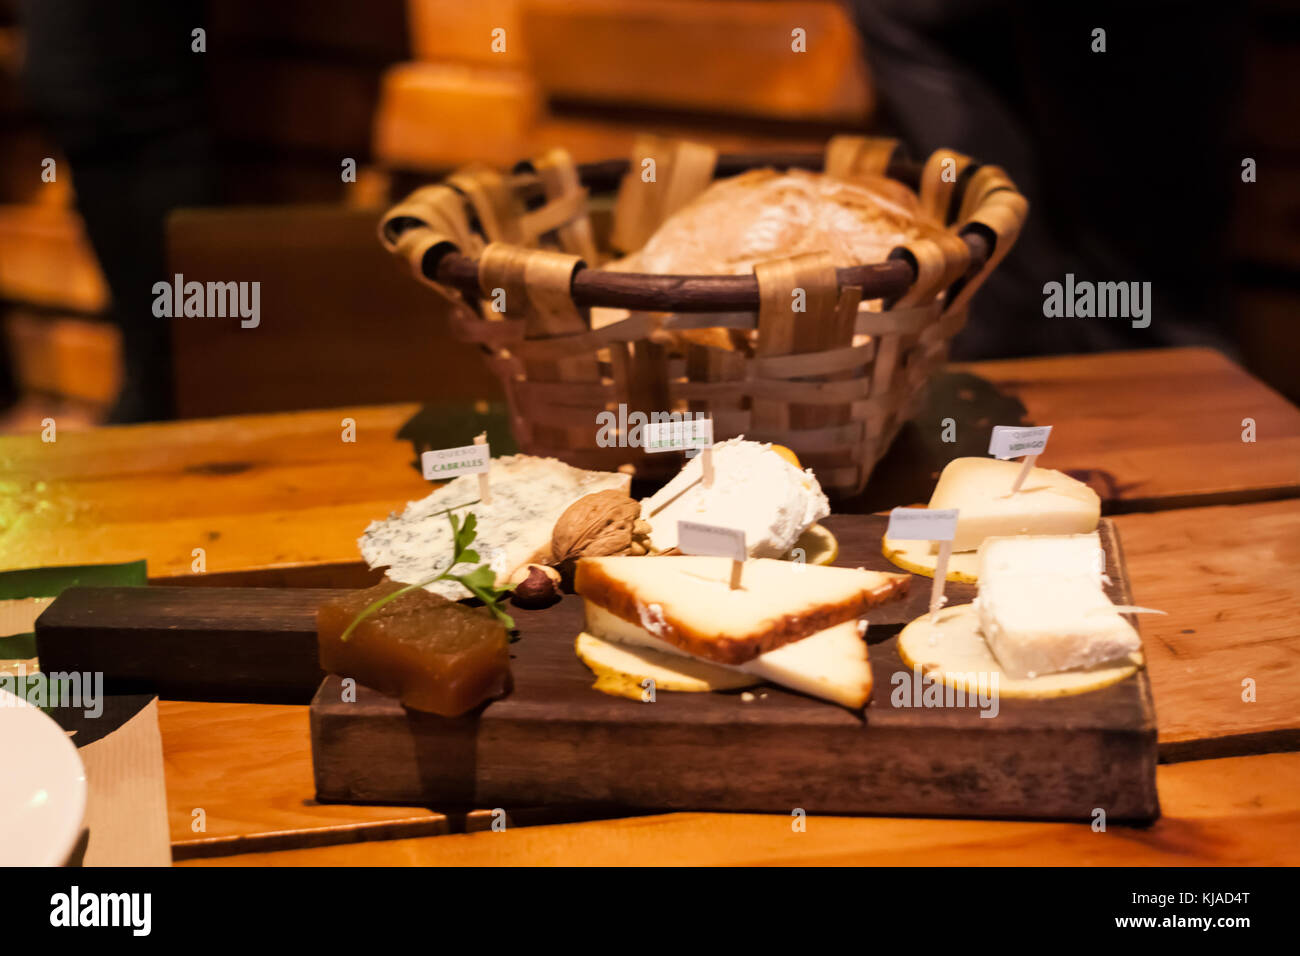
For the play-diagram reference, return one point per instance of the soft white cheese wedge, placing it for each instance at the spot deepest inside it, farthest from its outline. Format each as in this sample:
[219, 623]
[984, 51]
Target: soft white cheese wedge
[754, 489]
[1042, 609]
[1048, 502]
[528, 496]
[830, 664]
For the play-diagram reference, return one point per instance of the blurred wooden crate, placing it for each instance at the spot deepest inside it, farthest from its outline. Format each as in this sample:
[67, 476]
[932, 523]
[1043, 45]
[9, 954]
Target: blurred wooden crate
[341, 321]
[45, 259]
[724, 56]
[434, 116]
[65, 356]
[443, 31]
[720, 56]
[590, 74]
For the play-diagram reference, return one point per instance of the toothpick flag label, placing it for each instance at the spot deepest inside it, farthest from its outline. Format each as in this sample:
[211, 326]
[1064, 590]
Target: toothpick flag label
[922, 524]
[1010, 441]
[678, 435]
[694, 537]
[928, 524]
[443, 463]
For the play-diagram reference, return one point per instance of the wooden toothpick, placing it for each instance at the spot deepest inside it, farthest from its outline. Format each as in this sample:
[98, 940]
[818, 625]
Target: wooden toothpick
[1024, 472]
[736, 568]
[706, 462]
[940, 576]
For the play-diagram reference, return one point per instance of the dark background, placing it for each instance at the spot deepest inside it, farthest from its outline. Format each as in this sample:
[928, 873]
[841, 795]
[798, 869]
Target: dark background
[1131, 159]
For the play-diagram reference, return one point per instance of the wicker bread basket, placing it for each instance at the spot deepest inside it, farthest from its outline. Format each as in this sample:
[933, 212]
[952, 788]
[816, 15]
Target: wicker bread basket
[515, 255]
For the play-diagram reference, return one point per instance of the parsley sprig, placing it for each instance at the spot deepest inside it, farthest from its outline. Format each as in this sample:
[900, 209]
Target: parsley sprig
[480, 581]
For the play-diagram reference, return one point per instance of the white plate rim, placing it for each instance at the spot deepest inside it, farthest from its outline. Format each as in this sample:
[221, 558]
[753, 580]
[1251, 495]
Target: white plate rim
[57, 850]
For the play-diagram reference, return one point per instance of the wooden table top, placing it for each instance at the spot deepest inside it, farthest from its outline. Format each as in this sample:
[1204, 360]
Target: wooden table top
[268, 492]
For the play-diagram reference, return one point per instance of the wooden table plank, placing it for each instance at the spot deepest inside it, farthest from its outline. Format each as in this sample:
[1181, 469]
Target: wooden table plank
[1158, 428]
[1239, 811]
[248, 767]
[1229, 580]
[258, 491]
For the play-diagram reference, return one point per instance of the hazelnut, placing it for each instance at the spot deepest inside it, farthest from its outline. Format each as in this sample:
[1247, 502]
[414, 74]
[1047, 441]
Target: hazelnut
[535, 586]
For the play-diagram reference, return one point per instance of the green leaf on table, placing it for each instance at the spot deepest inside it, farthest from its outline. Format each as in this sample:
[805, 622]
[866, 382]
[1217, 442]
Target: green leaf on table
[18, 646]
[51, 582]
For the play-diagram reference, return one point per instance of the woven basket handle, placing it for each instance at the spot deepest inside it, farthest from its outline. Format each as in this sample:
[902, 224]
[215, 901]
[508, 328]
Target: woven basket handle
[682, 170]
[850, 156]
[992, 205]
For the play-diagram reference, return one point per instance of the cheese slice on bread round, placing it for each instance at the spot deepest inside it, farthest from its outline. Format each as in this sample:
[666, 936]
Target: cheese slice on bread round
[951, 649]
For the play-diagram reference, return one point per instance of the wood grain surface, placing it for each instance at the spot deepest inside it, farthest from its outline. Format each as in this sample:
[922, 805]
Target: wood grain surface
[1238, 811]
[257, 491]
[554, 740]
[276, 491]
[202, 643]
[1229, 580]
[1161, 428]
[1199, 710]
[1157, 429]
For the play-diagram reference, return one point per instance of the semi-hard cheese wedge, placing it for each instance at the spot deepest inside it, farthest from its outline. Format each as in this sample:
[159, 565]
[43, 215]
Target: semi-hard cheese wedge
[622, 668]
[754, 488]
[919, 557]
[831, 664]
[1042, 609]
[1048, 502]
[687, 601]
[528, 496]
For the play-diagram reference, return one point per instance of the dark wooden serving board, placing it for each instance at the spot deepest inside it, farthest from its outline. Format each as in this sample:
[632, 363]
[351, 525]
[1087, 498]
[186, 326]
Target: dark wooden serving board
[555, 740]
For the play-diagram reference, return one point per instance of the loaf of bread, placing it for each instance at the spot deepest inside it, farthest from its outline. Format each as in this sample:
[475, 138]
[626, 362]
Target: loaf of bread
[765, 214]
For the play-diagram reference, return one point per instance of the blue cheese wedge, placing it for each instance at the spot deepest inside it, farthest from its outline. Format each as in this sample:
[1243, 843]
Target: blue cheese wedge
[528, 496]
[754, 489]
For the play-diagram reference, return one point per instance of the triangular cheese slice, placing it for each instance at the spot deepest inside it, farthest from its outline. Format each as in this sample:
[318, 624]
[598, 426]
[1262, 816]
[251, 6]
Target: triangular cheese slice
[688, 601]
[831, 664]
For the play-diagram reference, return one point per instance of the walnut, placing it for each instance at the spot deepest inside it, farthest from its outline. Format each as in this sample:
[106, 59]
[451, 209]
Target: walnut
[606, 523]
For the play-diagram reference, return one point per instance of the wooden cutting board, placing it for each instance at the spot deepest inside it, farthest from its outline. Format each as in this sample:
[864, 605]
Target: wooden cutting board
[555, 740]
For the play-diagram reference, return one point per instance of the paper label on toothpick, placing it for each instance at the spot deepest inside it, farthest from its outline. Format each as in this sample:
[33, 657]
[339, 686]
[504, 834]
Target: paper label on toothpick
[922, 524]
[678, 435]
[442, 463]
[1010, 441]
[711, 539]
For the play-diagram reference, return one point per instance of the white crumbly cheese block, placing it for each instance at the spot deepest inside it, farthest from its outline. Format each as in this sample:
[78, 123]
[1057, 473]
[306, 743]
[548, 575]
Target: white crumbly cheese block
[1068, 554]
[528, 496]
[830, 664]
[754, 489]
[1048, 502]
[1042, 609]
